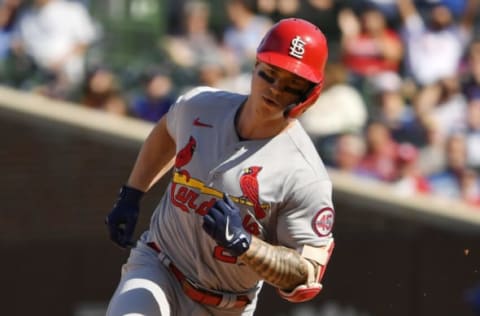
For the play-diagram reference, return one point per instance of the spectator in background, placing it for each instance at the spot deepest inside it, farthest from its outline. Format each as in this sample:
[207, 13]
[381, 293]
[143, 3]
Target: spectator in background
[175, 24]
[388, 8]
[434, 48]
[213, 73]
[101, 92]
[156, 97]
[389, 106]
[431, 154]
[9, 13]
[369, 47]
[56, 34]
[380, 159]
[267, 7]
[471, 82]
[473, 134]
[116, 105]
[339, 109]
[444, 103]
[288, 8]
[446, 183]
[245, 31]
[324, 14]
[278, 9]
[470, 187]
[410, 180]
[457, 7]
[195, 44]
[348, 152]
[450, 109]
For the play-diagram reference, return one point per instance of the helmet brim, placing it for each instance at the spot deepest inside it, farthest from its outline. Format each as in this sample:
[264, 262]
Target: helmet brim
[290, 64]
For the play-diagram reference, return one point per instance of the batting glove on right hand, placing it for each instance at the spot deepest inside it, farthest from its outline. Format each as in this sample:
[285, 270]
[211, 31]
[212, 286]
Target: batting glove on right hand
[224, 224]
[121, 221]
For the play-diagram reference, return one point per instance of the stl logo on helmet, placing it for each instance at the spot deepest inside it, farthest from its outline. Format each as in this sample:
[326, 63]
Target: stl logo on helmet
[297, 47]
[323, 222]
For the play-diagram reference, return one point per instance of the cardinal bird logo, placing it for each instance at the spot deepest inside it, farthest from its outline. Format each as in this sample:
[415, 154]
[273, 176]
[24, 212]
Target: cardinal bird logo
[249, 187]
[184, 156]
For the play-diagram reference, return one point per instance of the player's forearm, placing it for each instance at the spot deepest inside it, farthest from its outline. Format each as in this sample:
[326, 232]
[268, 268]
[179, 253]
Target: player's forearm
[280, 266]
[155, 158]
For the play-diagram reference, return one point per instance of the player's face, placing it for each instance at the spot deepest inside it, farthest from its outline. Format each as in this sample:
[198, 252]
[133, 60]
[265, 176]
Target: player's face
[273, 89]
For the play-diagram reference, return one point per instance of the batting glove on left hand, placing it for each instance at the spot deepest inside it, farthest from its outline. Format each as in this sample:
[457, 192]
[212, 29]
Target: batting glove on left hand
[121, 221]
[224, 224]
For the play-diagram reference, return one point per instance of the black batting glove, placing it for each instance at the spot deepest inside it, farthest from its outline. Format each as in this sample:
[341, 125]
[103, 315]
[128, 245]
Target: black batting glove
[121, 221]
[224, 224]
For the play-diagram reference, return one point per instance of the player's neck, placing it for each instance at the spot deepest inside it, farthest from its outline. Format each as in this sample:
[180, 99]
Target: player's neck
[251, 127]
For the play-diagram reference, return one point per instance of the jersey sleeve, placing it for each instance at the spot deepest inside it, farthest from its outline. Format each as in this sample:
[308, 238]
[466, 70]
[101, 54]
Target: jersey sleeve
[173, 116]
[180, 114]
[307, 216]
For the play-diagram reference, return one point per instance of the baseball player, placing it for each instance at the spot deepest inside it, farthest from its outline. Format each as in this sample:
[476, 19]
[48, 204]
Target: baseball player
[249, 201]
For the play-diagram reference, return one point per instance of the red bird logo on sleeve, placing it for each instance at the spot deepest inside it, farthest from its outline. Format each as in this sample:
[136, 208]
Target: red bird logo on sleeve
[184, 156]
[249, 187]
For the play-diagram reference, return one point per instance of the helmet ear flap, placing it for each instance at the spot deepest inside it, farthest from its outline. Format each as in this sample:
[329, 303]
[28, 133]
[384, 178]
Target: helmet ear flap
[294, 110]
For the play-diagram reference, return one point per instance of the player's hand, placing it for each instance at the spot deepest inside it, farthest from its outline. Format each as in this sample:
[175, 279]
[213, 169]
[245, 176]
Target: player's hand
[122, 219]
[224, 224]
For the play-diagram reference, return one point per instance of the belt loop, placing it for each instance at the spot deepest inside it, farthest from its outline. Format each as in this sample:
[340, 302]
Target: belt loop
[164, 259]
[228, 300]
[161, 256]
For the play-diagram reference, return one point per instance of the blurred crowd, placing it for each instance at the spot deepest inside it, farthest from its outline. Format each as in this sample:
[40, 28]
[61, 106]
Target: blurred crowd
[401, 98]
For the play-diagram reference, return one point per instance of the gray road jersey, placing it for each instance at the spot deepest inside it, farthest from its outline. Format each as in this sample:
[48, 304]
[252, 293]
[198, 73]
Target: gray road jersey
[280, 185]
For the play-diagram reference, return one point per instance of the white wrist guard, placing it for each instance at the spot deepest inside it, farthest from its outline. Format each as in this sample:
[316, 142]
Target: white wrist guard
[316, 259]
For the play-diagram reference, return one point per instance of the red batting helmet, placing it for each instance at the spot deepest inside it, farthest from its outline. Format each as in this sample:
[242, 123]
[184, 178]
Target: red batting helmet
[299, 47]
